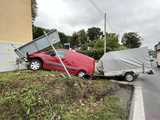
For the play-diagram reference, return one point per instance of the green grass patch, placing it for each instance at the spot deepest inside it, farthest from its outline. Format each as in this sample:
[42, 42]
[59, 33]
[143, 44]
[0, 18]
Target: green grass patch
[46, 95]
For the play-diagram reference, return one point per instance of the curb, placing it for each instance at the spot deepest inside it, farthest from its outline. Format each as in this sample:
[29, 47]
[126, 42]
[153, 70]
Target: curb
[136, 111]
[137, 105]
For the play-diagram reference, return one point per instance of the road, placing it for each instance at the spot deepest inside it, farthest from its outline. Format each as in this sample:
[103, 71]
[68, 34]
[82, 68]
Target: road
[151, 95]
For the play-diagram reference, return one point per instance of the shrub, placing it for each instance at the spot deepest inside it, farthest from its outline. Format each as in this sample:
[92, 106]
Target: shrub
[96, 54]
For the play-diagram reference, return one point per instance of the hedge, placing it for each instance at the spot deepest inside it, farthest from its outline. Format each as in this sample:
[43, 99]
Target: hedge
[96, 54]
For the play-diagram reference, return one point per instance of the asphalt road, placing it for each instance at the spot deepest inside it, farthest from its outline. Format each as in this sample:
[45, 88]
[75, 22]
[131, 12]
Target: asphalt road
[151, 95]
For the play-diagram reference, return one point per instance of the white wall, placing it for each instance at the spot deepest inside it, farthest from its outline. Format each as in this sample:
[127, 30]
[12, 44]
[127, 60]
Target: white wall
[8, 58]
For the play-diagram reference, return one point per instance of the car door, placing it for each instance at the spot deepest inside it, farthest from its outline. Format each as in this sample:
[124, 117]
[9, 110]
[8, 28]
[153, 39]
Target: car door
[54, 62]
[69, 61]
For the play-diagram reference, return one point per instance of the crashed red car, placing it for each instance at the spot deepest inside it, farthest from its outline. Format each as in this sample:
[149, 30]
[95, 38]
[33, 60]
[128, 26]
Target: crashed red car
[76, 63]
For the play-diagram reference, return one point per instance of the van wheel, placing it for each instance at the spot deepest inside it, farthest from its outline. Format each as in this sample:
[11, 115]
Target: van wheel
[129, 77]
[136, 76]
[35, 64]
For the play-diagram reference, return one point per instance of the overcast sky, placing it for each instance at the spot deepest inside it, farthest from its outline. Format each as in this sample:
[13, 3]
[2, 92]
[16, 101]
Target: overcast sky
[142, 16]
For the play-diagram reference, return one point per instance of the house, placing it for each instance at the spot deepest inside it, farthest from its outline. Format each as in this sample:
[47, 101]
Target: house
[15, 28]
[157, 49]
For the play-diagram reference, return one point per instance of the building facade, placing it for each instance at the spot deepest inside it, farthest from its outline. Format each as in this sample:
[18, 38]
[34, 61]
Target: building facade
[15, 21]
[157, 49]
[16, 29]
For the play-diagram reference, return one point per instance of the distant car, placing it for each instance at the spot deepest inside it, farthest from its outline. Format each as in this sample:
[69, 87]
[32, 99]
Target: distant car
[76, 63]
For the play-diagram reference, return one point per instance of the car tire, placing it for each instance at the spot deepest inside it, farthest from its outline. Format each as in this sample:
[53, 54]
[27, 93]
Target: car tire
[129, 77]
[82, 74]
[35, 64]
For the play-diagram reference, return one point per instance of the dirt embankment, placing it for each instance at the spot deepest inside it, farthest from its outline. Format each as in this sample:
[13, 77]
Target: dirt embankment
[48, 95]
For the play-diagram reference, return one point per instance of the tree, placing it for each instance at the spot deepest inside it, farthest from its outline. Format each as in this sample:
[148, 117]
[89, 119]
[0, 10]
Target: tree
[38, 31]
[63, 38]
[94, 33]
[74, 40]
[112, 42]
[131, 40]
[34, 10]
[99, 44]
[91, 44]
[82, 37]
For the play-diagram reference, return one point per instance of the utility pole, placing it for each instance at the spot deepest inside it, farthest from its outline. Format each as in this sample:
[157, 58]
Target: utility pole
[65, 68]
[105, 21]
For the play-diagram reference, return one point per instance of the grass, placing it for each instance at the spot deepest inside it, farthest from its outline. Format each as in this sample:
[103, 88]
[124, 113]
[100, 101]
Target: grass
[46, 95]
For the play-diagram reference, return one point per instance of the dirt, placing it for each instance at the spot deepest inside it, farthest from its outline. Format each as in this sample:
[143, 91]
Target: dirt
[39, 95]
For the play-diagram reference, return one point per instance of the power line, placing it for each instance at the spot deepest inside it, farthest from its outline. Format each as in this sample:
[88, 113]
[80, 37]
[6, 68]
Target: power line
[102, 12]
[105, 21]
[96, 7]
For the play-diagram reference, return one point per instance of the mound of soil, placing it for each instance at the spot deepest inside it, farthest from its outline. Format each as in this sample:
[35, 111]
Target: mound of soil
[50, 95]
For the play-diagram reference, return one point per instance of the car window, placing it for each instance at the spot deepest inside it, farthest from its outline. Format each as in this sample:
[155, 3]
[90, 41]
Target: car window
[52, 53]
[61, 53]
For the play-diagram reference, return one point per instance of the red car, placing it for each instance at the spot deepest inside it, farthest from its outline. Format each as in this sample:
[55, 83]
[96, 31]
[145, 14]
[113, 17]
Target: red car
[76, 63]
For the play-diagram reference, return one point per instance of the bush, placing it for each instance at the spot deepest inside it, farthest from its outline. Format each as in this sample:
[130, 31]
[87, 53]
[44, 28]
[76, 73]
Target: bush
[96, 54]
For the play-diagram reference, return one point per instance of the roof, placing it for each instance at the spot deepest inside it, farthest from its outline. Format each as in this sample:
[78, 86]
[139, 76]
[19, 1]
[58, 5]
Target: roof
[157, 46]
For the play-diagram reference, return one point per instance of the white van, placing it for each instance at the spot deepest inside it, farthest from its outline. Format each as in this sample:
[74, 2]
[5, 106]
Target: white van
[127, 63]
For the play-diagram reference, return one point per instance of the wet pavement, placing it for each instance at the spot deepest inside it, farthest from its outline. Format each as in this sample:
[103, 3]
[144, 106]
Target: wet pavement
[151, 95]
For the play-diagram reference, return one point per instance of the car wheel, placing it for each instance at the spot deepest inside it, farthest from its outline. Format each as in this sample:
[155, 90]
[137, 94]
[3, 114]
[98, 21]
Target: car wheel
[129, 77]
[35, 64]
[136, 76]
[81, 74]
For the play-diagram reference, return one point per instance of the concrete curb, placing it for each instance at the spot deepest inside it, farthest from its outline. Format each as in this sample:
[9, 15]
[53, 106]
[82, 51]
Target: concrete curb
[137, 105]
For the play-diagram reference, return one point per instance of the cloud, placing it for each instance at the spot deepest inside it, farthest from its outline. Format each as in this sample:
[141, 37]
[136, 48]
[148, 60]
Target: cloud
[141, 16]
